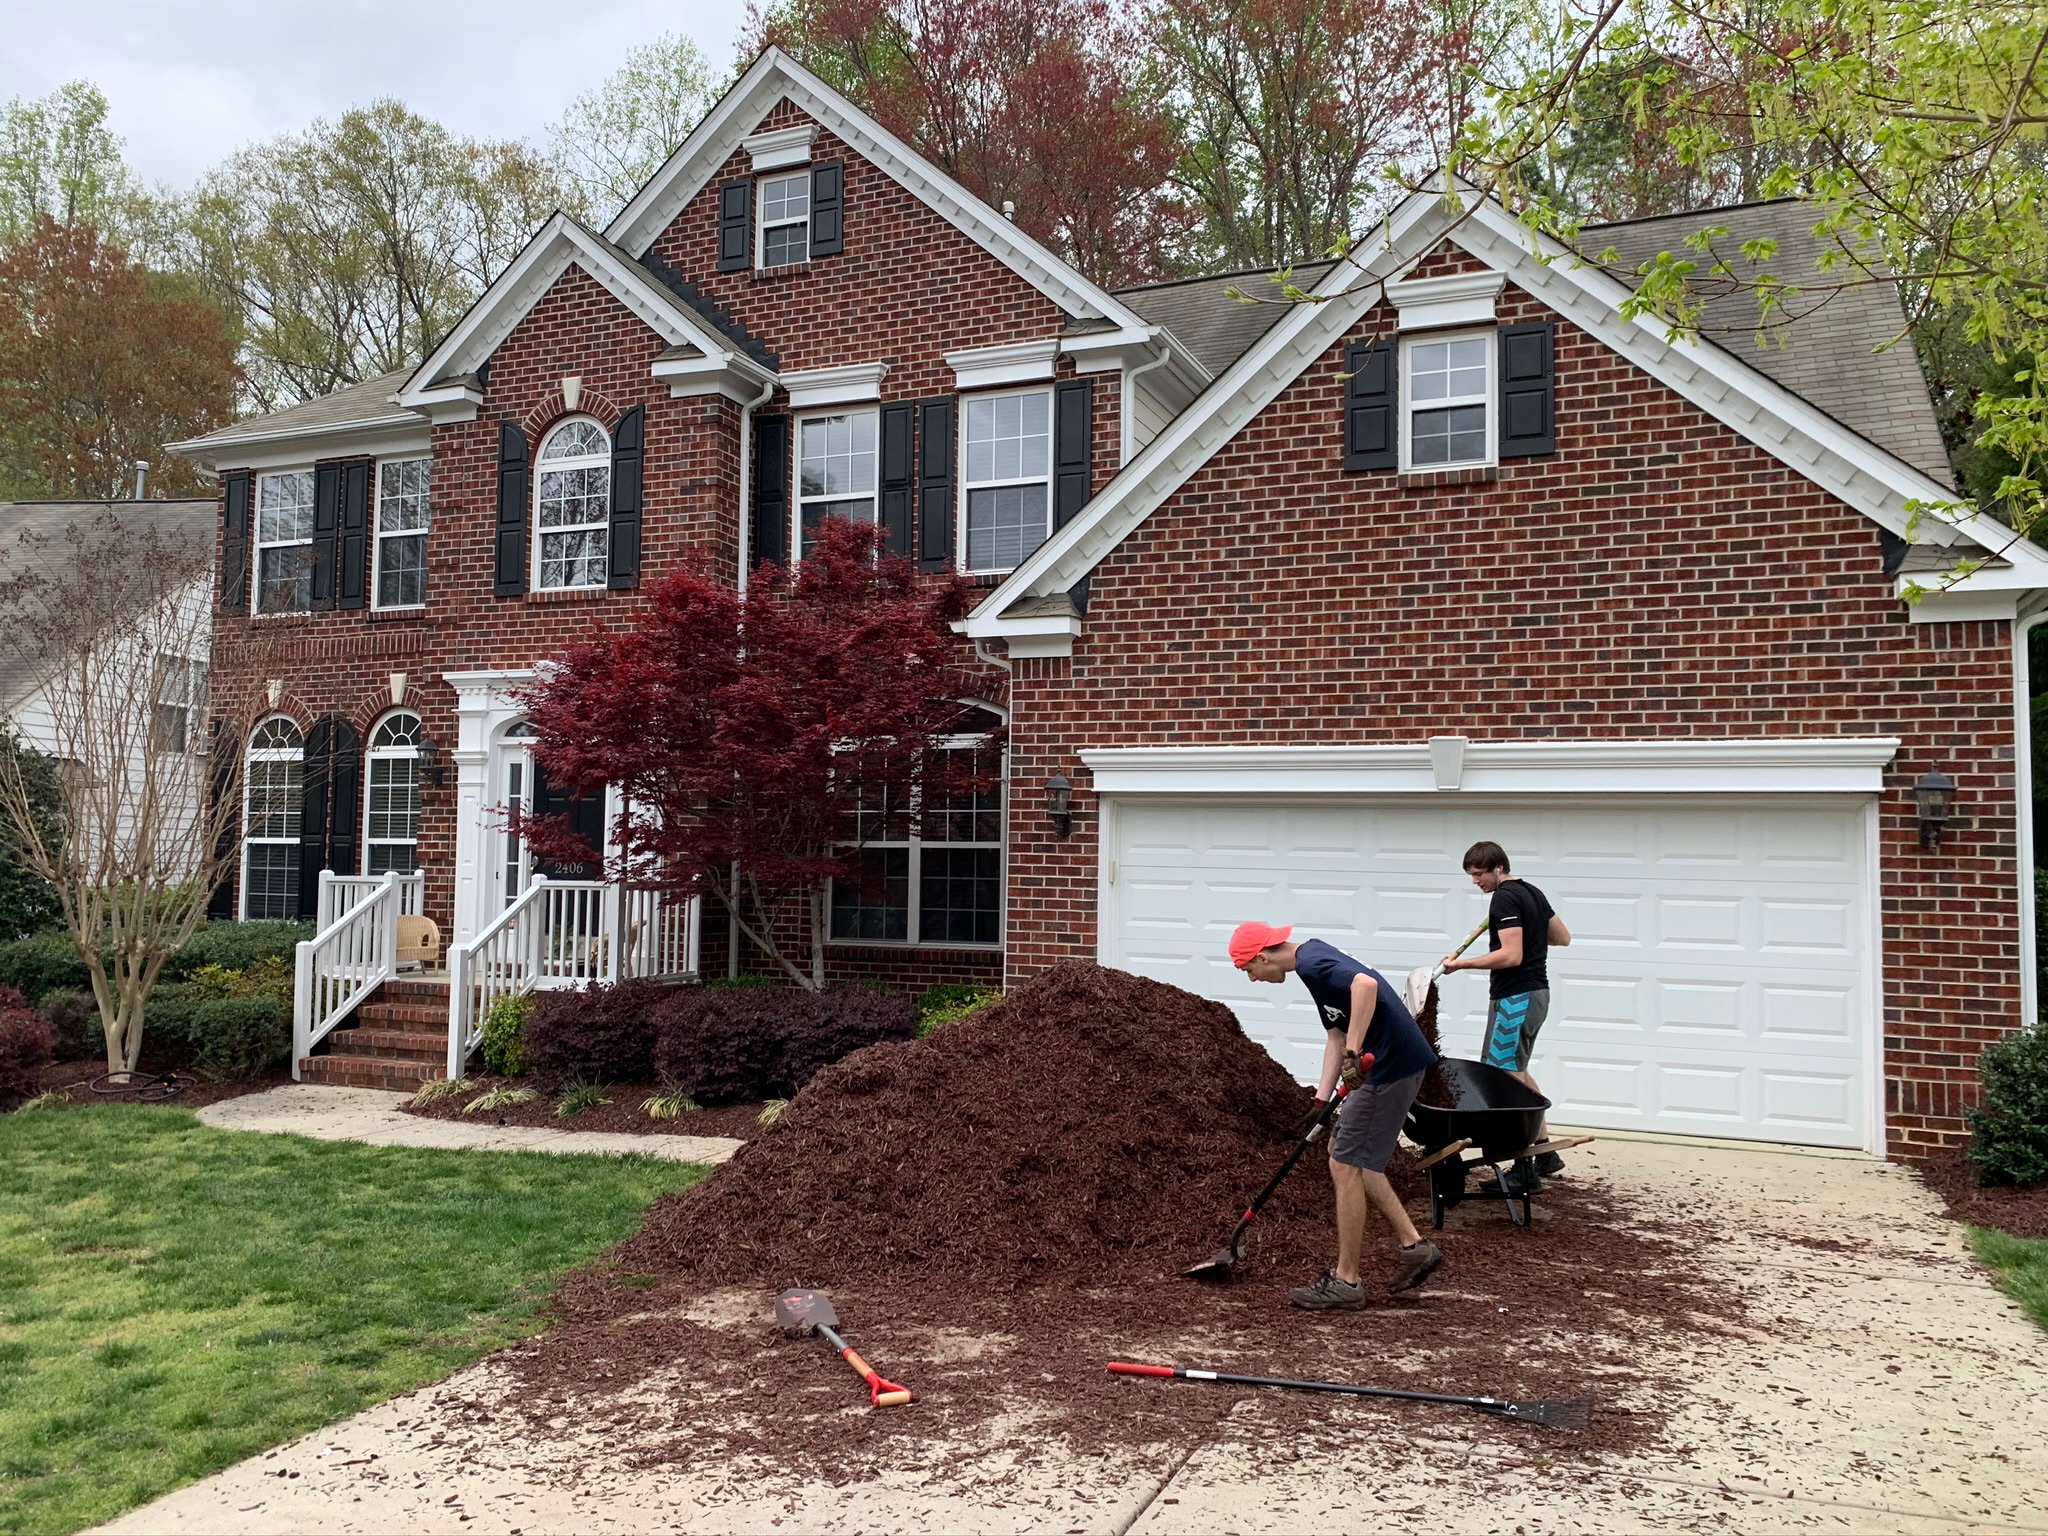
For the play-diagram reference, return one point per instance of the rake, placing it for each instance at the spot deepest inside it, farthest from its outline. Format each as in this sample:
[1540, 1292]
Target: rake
[1574, 1413]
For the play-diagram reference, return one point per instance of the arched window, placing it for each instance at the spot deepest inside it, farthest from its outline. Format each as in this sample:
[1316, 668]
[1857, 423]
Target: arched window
[573, 502]
[272, 804]
[392, 829]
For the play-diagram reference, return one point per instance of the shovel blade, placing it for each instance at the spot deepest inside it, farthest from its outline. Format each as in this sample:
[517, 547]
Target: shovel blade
[1215, 1267]
[801, 1313]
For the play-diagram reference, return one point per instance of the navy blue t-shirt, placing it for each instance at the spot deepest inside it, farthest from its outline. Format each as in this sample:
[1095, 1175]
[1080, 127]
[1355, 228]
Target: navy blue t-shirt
[1397, 1046]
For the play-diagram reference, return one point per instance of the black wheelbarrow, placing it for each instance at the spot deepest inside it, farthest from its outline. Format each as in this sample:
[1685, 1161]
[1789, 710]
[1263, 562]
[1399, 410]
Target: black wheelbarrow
[1495, 1116]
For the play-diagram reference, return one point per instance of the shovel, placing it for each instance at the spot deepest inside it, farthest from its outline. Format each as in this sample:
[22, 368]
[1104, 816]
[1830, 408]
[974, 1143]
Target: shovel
[801, 1314]
[1573, 1413]
[1219, 1264]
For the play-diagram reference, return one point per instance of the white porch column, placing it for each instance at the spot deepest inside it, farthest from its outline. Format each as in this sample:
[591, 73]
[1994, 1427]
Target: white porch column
[483, 708]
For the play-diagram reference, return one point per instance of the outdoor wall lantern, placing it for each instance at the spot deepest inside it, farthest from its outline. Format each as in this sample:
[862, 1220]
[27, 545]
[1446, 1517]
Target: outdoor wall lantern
[1936, 792]
[1059, 797]
[428, 754]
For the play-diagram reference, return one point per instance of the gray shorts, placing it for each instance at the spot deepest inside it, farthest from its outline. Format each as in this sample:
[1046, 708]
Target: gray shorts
[1511, 1026]
[1370, 1122]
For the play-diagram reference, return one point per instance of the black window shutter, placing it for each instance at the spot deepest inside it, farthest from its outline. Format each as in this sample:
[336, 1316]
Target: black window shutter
[935, 484]
[313, 816]
[228, 760]
[326, 531]
[899, 472]
[1371, 437]
[1528, 390]
[344, 794]
[771, 490]
[352, 544]
[735, 226]
[1073, 448]
[828, 208]
[629, 438]
[234, 543]
[512, 510]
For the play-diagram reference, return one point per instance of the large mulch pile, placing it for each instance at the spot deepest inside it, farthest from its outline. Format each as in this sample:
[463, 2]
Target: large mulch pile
[1003, 1208]
[2019, 1210]
[623, 1114]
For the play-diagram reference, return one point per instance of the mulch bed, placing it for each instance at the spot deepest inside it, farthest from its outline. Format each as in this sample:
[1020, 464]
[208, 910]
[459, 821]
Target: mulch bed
[2023, 1212]
[1005, 1207]
[740, 1121]
[71, 1077]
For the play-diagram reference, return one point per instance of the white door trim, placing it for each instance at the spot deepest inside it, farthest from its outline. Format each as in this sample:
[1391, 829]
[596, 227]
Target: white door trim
[1778, 765]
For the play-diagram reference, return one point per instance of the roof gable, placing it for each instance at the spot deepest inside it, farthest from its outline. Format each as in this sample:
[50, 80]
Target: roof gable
[775, 76]
[1030, 604]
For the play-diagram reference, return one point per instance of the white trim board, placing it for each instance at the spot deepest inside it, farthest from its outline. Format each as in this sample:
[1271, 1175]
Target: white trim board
[1868, 478]
[1456, 765]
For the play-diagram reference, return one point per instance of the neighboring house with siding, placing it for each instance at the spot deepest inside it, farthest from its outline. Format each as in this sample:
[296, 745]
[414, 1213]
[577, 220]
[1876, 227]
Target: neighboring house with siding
[1302, 598]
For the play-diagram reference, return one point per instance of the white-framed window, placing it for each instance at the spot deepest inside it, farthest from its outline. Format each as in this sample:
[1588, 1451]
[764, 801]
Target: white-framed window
[784, 238]
[1006, 486]
[401, 562]
[179, 704]
[273, 790]
[572, 497]
[391, 808]
[935, 863]
[284, 542]
[1448, 393]
[835, 471]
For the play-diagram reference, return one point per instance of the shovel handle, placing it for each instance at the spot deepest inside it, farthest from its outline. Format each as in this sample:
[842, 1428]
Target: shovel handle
[882, 1392]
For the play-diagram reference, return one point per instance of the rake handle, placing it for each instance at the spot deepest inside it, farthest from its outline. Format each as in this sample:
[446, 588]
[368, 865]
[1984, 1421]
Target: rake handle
[1132, 1368]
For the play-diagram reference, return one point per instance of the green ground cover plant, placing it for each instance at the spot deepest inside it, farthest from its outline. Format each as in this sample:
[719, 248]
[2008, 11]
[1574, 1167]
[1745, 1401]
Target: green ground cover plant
[174, 1298]
[2021, 1265]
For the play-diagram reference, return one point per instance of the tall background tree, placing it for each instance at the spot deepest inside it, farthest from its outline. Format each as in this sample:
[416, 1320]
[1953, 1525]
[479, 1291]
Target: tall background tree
[59, 160]
[615, 137]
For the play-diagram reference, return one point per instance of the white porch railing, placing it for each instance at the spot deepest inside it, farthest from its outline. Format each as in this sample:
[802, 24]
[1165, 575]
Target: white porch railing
[338, 893]
[564, 933]
[347, 960]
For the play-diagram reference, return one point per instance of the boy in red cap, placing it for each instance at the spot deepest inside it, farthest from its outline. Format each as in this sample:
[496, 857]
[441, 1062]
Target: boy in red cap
[1362, 1014]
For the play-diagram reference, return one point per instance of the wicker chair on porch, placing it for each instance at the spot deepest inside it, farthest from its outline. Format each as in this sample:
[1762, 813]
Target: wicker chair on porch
[419, 943]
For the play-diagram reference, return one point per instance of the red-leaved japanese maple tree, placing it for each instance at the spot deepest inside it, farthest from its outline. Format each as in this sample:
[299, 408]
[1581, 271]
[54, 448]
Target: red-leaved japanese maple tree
[752, 731]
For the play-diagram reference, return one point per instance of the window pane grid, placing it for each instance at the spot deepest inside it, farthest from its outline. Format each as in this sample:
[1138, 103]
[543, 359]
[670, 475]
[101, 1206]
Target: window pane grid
[936, 878]
[573, 506]
[402, 533]
[271, 816]
[785, 220]
[1449, 389]
[284, 542]
[835, 472]
[1008, 459]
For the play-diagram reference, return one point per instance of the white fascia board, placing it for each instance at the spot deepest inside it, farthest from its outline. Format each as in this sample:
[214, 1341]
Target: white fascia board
[774, 76]
[1959, 603]
[849, 384]
[1015, 362]
[1691, 765]
[561, 243]
[449, 403]
[1462, 298]
[385, 437]
[1039, 635]
[736, 376]
[780, 147]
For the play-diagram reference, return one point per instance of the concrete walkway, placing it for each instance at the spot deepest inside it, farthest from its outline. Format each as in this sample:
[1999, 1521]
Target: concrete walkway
[1879, 1383]
[373, 1116]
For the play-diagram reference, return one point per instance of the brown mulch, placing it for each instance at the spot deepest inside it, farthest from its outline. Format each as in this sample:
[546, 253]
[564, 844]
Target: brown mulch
[1005, 1207]
[740, 1121]
[2021, 1211]
[71, 1077]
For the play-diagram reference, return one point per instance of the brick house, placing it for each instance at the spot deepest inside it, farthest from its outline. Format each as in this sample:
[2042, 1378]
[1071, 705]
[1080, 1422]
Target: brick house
[1298, 598]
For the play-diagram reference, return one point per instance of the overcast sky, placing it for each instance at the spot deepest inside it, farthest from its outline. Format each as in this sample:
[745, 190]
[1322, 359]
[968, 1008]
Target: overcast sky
[191, 81]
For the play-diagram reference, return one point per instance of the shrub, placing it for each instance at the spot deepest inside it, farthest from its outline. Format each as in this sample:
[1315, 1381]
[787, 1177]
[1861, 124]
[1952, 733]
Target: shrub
[43, 963]
[2009, 1125]
[504, 1047]
[26, 1047]
[260, 952]
[602, 1034]
[578, 1098]
[74, 1019]
[743, 980]
[725, 1046]
[950, 1001]
[237, 947]
[224, 1035]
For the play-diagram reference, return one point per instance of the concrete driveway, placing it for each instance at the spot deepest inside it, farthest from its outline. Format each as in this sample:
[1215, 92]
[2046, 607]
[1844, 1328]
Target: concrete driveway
[1877, 1382]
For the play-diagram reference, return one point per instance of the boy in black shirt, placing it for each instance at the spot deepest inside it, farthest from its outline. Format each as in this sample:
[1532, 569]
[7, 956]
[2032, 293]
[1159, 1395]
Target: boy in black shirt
[1521, 928]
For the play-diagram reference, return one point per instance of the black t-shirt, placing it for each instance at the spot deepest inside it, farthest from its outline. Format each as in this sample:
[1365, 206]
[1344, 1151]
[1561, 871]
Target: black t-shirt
[1397, 1047]
[1518, 904]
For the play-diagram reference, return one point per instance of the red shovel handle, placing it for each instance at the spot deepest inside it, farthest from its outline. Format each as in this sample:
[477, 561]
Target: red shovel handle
[882, 1392]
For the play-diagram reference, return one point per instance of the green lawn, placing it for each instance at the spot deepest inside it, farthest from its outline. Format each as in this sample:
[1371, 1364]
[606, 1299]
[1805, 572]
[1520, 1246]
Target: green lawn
[2021, 1264]
[173, 1298]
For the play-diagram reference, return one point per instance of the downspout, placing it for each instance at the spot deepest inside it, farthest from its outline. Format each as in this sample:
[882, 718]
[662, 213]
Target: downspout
[747, 409]
[2023, 810]
[1131, 394]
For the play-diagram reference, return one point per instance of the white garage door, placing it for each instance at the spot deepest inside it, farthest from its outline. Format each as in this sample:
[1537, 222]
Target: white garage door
[1718, 982]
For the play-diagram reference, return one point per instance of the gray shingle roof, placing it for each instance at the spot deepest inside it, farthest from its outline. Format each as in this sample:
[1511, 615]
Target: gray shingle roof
[1830, 357]
[358, 405]
[33, 536]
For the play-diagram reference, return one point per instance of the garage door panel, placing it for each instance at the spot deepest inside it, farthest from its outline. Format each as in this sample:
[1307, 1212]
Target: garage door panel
[1716, 982]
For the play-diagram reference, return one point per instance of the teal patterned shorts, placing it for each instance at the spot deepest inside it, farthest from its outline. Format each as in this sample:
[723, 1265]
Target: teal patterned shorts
[1511, 1026]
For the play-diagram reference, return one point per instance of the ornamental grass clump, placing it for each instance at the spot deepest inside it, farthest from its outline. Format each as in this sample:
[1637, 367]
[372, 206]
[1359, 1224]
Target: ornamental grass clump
[499, 1098]
[578, 1097]
[2009, 1125]
[436, 1089]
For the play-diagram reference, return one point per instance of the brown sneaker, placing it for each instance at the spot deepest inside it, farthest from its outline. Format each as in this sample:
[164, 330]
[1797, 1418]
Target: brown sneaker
[1328, 1294]
[1417, 1264]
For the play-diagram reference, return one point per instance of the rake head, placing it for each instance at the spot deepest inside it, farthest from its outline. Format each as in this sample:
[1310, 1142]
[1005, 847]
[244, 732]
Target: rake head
[1573, 1413]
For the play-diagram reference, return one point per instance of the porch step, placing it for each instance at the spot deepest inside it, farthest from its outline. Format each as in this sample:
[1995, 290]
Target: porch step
[343, 1071]
[390, 1044]
[404, 1017]
[430, 988]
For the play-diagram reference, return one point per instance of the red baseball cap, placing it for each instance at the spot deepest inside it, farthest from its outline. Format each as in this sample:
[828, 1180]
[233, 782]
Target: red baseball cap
[1250, 938]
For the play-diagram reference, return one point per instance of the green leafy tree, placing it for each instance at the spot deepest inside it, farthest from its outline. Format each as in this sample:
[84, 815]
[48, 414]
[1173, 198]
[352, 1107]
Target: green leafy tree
[28, 902]
[58, 160]
[614, 138]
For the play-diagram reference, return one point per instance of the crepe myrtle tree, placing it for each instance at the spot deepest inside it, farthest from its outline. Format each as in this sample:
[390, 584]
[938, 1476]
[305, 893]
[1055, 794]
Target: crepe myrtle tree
[774, 733]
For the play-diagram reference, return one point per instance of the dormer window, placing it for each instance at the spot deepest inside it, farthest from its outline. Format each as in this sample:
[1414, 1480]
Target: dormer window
[1450, 397]
[785, 219]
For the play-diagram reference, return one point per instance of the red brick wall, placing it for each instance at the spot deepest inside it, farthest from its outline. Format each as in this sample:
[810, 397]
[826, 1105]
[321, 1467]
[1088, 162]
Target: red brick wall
[1658, 576]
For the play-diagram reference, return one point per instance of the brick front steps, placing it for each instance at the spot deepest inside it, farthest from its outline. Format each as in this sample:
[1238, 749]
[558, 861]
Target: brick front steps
[396, 1040]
